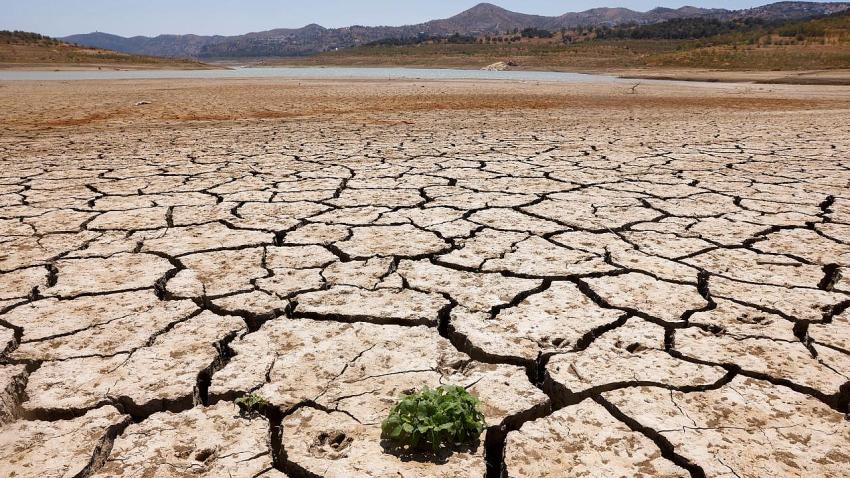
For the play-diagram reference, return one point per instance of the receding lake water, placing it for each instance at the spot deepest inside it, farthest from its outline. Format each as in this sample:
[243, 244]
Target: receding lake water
[308, 72]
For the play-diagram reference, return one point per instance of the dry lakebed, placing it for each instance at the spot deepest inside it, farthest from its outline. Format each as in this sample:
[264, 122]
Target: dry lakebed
[634, 282]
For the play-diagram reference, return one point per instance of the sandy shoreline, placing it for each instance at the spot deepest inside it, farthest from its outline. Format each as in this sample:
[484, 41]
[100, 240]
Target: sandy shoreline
[792, 77]
[807, 77]
[813, 77]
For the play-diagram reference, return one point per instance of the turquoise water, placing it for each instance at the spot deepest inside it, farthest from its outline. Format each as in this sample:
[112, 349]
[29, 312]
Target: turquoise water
[309, 72]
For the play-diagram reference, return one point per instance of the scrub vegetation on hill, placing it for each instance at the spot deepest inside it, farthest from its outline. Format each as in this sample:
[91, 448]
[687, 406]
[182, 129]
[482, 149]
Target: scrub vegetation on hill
[740, 44]
[19, 48]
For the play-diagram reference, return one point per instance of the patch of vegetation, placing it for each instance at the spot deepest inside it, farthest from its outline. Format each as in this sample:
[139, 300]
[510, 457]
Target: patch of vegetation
[678, 29]
[404, 41]
[444, 416]
[738, 31]
[252, 403]
[536, 33]
[456, 39]
[21, 37]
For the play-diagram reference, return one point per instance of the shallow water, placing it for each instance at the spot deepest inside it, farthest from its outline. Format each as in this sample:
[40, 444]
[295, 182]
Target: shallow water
[309, 72]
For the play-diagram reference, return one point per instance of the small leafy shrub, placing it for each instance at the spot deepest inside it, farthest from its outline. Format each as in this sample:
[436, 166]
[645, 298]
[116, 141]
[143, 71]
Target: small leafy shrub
[252, 403]
[447, 415]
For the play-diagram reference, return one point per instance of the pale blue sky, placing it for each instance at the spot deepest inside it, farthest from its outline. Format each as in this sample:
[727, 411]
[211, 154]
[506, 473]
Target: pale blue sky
[232, 17]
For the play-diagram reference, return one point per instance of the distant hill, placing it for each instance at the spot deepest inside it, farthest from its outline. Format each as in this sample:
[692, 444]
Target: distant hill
[162, 45]
[738, 44]
[19, 48]
[791, 10]
[481, 19]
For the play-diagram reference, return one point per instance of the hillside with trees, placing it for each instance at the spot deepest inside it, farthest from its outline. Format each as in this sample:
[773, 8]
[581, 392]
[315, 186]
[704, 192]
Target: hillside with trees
[822, 42]
[20, 49]
[483, 19]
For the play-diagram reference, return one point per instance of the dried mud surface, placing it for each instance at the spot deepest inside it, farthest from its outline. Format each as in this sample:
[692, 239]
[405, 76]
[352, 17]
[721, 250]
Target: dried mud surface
[633, 285]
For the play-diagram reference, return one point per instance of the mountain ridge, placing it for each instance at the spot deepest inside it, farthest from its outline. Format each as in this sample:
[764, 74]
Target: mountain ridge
[483, 18]
[19, 49]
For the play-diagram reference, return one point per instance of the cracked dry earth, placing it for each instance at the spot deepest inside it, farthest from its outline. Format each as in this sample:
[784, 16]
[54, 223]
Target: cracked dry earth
[657, 298]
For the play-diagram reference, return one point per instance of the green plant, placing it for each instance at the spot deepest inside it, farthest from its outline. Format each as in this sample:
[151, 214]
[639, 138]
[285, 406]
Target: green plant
[447, 415]
[252, 402]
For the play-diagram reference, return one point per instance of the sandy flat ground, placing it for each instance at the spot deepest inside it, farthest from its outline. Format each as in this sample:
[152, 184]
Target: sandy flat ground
[812, 77]
[56, 104]
[636, 285]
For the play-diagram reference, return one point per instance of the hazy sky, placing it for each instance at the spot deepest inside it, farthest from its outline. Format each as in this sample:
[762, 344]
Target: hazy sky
[231, 17]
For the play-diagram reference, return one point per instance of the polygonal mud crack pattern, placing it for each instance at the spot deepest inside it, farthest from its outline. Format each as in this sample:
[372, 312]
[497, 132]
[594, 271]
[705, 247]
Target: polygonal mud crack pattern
[559, 318]
[630, 354]
[103, 325]
[622, 301]
[362, 368]
[585, 440]
[203, 441]
[343, 379]
[743, 428]
[162, 374]
[60, 448]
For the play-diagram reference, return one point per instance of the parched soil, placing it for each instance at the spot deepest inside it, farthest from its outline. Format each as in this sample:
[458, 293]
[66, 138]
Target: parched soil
[634, 285]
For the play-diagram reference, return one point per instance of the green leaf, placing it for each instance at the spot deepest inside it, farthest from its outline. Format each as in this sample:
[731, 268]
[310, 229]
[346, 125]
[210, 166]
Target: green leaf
[251, 402]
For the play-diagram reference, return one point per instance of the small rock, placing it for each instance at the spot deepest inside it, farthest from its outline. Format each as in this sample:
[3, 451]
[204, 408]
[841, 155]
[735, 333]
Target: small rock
[498, 66]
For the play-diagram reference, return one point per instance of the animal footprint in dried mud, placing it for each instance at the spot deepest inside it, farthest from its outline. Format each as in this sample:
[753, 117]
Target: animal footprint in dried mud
[331, 445]
[446, 415]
